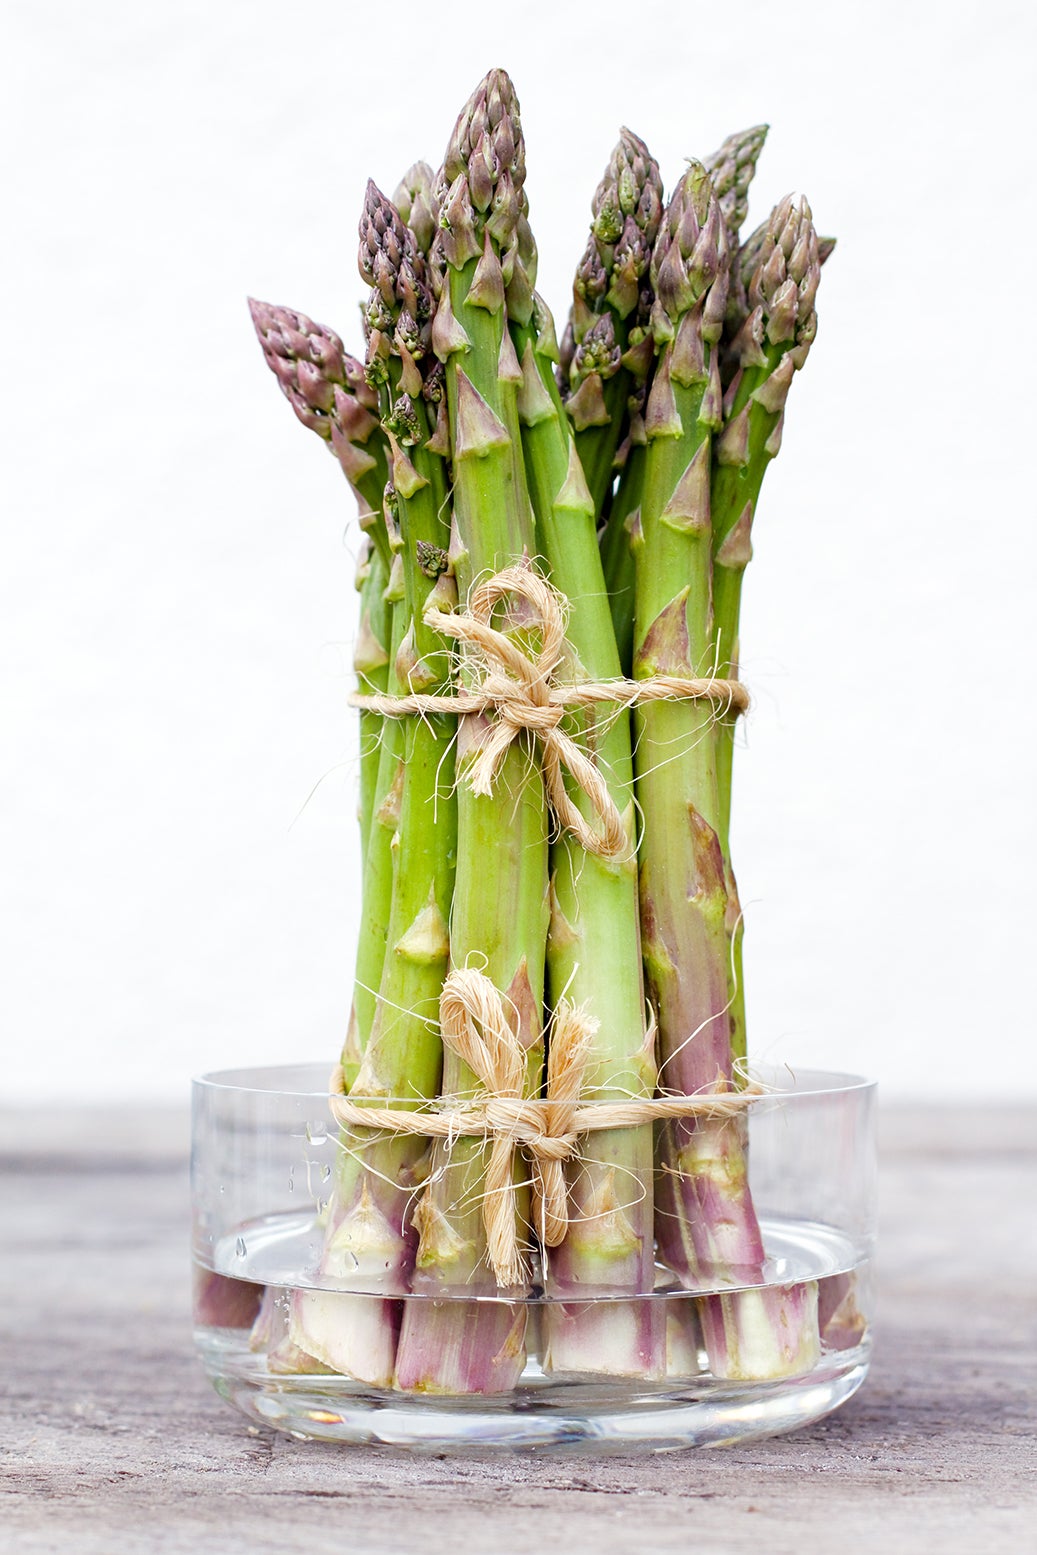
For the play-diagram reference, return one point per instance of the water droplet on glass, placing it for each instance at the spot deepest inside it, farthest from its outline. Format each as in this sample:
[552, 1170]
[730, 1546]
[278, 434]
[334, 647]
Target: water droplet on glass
[325, 1174]
[240, 1248]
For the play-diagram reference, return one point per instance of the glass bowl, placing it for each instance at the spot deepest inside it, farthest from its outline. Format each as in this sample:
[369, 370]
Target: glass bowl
[699, 1352]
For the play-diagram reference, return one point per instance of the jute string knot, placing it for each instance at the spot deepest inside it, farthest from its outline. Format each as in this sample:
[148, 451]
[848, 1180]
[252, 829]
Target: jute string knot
[477, 1026]
[524, 693]
[517, 684]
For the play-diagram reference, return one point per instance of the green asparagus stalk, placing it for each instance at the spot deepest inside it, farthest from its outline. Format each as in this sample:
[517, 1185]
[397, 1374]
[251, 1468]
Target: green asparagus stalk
[371, 1239]
[328, 390]
[499, 918]
[371, 667]
[771, 345]
[617, 537]
[594, 947]
[404, 1056]
[732, 168]
[681, 884]
[376, 893]
[705, 1221]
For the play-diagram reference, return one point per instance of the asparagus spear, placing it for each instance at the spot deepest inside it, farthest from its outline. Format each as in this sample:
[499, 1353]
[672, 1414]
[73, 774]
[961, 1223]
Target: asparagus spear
[371, 1240]
[328, 390]
[707, 1226]
[732, 168]
[705, 1215]
[500, 902]
[681, 886]
[770, 347]
[594, 949]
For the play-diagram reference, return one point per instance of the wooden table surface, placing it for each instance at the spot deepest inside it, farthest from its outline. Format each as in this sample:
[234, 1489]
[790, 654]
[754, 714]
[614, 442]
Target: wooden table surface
[113, 1443]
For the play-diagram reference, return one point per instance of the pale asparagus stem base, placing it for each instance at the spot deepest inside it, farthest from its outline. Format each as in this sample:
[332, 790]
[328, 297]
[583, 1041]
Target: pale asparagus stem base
[593, 949]
[629, 1336]
[354, 1336]
[606, 1251]
[754, 1335]
[840, 1320]
[484, 1353]
[270, 1337]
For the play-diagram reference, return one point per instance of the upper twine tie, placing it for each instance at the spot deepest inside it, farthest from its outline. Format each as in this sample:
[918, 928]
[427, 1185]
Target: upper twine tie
[518, 686]
[523, 691]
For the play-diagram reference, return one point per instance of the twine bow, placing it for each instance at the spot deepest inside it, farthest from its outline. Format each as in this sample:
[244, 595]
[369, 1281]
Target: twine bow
[523, 692]
[518, 686]
[475, 1025]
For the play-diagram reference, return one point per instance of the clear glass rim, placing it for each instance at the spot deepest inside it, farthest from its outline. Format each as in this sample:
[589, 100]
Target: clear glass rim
[805, 1082]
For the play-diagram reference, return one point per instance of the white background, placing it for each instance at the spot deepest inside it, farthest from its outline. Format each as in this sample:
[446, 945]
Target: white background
[176, 600]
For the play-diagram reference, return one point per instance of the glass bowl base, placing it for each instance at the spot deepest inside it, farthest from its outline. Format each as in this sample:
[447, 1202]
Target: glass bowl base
[579, 1417]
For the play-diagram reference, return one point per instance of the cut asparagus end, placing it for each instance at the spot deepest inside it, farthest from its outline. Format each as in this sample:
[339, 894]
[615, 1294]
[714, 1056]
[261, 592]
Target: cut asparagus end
[349, 1334]
[606, 1338]
[761, 1335]
[684, 1352]
[269, 1337]
[461, 1347]
[223, 1303]
[840, 1320]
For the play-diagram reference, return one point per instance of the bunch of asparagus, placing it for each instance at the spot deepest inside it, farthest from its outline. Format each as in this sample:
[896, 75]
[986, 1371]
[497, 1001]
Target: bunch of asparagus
[625, 466]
